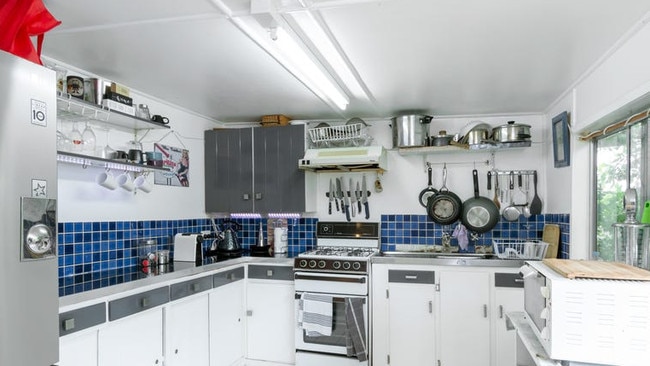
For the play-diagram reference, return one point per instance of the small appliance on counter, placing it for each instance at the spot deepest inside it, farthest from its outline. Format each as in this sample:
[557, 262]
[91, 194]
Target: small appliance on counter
[226, 244]
[188, 247]
[262, 249]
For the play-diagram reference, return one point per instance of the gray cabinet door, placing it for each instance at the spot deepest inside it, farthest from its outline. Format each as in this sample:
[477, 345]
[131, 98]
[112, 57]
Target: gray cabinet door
[278, 183]
[254, 170]
[228, 170]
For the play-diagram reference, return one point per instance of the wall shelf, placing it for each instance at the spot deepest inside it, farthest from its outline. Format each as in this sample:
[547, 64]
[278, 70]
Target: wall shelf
[457, 148]
[85, 160]
[77, 110]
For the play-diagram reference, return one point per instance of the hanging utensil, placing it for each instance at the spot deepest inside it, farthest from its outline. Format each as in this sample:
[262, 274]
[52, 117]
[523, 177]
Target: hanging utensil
[353, 200]
[496, 191]
[357, 192]
[536, 203]
[445, 207]
[331, 197]
[480, 214]
[346, 200]
[511, 213]
[364, 196]
[428, 191]
[526, 209]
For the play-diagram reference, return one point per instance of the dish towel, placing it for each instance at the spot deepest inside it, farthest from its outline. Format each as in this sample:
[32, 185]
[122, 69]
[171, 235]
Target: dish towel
[315, 314]
[460, 233]
[355, 338]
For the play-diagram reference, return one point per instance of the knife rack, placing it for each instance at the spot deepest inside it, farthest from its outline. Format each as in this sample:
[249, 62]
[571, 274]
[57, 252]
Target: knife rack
[348, 193]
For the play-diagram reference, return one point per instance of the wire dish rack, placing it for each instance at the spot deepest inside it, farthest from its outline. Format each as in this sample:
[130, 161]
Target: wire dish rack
[339, 136]
[520, 249]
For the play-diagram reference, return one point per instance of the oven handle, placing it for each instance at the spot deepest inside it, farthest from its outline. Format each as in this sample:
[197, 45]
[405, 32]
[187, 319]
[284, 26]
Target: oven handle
[334, 298]
[299, 276]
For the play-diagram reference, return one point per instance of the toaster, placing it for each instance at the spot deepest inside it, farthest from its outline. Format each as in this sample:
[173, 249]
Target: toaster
[188, 247]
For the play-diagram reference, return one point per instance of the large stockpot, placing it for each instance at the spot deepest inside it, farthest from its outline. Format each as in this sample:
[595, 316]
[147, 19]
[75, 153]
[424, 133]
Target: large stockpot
[411, 130]
[511, 132]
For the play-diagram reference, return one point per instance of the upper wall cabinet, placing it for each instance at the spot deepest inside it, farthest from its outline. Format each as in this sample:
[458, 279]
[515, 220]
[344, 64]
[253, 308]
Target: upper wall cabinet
[254, 170]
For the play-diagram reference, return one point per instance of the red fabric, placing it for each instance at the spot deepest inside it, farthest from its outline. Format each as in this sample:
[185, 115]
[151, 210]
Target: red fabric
[20, 19]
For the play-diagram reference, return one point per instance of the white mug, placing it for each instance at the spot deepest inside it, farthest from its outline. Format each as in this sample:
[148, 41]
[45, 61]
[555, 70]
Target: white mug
[142, 184]
[125, 181]
[106, 180]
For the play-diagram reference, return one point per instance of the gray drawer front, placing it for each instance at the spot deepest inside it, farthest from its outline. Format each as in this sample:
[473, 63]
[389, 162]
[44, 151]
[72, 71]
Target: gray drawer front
[405, 276]
[191, 287]
[226, 277]
[136, 303]
[508, 280]
[281, 273]
[80, 319]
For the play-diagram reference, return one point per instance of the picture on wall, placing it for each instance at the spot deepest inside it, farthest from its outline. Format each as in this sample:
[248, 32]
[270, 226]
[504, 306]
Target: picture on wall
[177, 160]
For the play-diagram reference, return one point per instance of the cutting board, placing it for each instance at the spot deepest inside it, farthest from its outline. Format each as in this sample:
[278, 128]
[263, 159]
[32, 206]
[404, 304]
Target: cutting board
[551, 235]
[597, 269]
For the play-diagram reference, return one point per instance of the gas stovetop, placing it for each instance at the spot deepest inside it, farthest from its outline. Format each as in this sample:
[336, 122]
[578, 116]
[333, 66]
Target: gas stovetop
[341, 247]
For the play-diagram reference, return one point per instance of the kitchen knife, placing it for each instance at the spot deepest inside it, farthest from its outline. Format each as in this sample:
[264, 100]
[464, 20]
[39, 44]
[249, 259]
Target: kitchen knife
[353, 199]
[339, 195]
[331, 197]
[364, 196]
[357, 193]
[346, 200]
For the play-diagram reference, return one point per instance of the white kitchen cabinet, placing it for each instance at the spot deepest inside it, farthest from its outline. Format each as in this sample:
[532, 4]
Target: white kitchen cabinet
[135, 340]
[508, 297]
[404, 321]
[464, 332]
[78, 349]
[270, 321]
[227, 326]
[187, 332]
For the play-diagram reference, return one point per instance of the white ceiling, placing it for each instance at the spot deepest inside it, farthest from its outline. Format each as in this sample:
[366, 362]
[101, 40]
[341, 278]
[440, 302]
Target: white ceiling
[442, 57]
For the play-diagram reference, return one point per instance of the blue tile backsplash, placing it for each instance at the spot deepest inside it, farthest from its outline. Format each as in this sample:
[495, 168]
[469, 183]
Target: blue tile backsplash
[99, 254]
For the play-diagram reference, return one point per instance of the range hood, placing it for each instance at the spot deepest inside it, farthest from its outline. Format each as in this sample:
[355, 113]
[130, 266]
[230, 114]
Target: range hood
[345, 159]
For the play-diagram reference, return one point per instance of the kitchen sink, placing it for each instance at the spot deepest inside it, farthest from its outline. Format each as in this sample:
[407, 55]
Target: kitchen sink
[441, 255]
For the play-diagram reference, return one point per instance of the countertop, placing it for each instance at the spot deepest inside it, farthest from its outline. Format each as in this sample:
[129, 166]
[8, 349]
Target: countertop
[468, 262]
[180, 271]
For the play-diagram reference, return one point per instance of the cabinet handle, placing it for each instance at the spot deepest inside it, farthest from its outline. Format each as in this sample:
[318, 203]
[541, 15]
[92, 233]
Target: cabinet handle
[485, 313]
[430, 307]
[519, 280]
[144, 302]
[410, 277]
[258, 196]
[501, 311]
[249, 312]
[246, 197]
[195, 287]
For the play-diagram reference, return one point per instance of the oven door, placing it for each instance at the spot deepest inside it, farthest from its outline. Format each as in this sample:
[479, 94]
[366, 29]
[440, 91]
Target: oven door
[336, 342]
[535, 296]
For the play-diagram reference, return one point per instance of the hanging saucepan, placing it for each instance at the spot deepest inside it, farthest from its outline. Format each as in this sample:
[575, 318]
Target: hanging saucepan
[427, 192]
[480, 214]
[444, 207]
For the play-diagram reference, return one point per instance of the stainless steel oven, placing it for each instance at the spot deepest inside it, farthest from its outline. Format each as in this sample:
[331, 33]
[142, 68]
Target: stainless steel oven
[334, 279]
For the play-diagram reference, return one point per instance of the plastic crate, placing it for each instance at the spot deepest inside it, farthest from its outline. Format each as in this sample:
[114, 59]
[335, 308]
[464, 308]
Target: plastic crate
[520, 249]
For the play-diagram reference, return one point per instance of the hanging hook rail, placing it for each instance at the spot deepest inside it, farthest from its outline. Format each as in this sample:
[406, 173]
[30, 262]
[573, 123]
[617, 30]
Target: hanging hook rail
[427, 164]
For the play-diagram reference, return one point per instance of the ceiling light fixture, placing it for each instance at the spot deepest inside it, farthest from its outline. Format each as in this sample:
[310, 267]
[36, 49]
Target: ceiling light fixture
[280, 45]
[326, 47]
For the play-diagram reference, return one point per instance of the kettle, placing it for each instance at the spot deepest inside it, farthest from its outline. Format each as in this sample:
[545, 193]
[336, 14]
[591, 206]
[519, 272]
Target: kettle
[227, 240]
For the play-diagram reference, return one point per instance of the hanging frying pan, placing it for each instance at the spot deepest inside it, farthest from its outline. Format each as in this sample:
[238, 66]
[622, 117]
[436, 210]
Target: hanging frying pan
[427, 192]
[480, 214]
[444, 207]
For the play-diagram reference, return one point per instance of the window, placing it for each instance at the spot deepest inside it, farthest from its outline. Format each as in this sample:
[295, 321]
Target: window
[621, 162]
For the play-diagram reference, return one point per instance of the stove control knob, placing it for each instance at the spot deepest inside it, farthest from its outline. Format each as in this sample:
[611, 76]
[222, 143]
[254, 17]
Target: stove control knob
[356, 266]
[303, 263]
[321, 264]
[346, 265]
[336, 265]
[312, 264]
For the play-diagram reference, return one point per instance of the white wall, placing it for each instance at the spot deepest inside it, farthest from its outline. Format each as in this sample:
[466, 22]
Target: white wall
[81, 199]
[618, 85]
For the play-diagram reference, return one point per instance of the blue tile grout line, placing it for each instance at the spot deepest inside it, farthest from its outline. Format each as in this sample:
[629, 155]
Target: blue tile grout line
[88, 251]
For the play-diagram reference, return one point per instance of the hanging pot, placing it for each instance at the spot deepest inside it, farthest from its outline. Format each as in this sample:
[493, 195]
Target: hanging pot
[480, 214]
[445, 207]
[411, 130]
